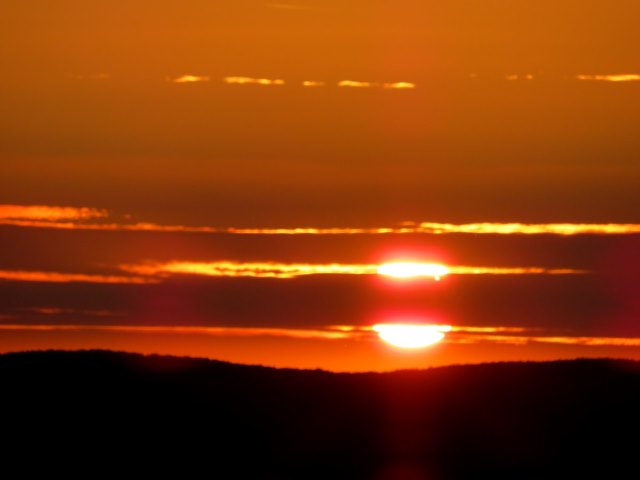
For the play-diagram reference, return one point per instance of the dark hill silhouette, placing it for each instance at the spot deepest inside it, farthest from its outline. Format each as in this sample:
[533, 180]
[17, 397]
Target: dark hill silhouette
[134, 413]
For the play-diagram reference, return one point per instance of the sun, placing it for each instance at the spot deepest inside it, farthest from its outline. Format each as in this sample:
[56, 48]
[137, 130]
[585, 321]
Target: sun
[413, 270]
[411, 335]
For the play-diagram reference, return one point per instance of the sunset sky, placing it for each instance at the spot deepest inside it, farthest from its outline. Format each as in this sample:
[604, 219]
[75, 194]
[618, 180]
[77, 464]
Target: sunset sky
[229, 178]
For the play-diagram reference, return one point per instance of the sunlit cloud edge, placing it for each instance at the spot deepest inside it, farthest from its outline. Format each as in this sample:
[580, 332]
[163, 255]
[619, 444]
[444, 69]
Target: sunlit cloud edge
[430, 228]
[331, 333]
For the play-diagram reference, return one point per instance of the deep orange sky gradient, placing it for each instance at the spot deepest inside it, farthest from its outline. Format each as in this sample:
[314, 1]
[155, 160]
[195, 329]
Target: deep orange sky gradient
[151, 134]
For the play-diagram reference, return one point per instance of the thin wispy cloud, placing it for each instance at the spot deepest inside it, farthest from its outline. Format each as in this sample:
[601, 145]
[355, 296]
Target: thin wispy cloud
[384, 85]
[399, 85]
[518, 76]
[531, 228]
[313, 83]
[351, 83]
[253, 81]
[355, 84]
[462, 270]
[293, 270]
[436, 228]
[147, 273]
[188, 79]
[455, 335]
[249, 80]
[563, 340]
[506, 335]
[62, 277]
[620, 77]
[428, 228]
[212, 331]
[48, 213]
[250, 269]
[72, 218]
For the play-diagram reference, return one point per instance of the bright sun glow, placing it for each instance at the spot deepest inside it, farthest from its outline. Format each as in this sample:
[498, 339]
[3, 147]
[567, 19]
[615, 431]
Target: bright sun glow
[413, 270]
[411, 336]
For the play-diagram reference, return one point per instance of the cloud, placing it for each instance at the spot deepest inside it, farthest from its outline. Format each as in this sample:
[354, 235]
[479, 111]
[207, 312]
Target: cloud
[48, 213]
[388, 85]
[454, 336]
[293, 270]
[251, 269]
[155, 272]
[72, 218]
[188, 79]
[252, 81]
[467, 228]
[530, 228]
[515, 76]
[399, 85]
[514, 271]
[213, 331]
[313, 83]
[356, 84]
[621, 77]
[59, 277]
[564, 340]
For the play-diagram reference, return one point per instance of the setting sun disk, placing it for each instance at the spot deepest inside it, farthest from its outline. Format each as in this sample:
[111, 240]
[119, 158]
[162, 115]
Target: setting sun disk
[411, 336]
[413, 270]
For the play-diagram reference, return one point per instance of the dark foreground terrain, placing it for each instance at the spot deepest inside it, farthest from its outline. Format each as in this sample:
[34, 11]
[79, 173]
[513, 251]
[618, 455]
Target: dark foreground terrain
[100, 412]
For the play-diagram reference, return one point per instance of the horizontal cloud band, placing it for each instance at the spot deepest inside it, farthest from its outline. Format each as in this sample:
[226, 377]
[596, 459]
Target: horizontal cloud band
[292, 270]
[457, 335]
[564, 229]
[75, 218]
[156, 272]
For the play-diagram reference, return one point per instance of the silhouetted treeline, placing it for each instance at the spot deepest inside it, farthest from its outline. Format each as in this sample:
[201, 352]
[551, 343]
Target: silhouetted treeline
[149, 415]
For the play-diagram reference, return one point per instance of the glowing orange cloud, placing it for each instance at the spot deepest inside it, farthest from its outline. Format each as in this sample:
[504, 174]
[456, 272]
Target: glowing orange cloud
[526, 76]
[426, 228]
[312, 83]
[251, 269]
[57, 277]
[292, 270]
[489, 228]
[565, 340]
[463, 329]
[530, 228]
[487, 334]
[621, 77]
[355, 84]
[47, 213]
[252, 81]
[214, 331]
[69, 218]
[462, 270]
[316, 231]
[399, 85]
[133, 227]
[449, 334]
[388, 85]
[189, 79]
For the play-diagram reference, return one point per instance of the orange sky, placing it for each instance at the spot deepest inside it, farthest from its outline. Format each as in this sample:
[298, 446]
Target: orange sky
[263, 136]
